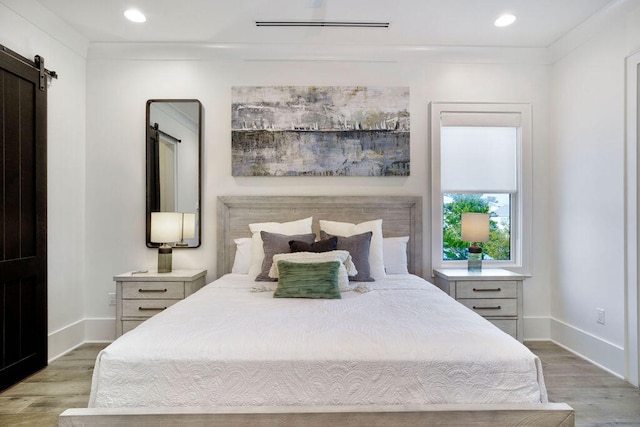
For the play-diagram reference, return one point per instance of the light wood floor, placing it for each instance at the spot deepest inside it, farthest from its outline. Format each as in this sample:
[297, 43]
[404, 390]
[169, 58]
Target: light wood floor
[598, 397]
[39, 399]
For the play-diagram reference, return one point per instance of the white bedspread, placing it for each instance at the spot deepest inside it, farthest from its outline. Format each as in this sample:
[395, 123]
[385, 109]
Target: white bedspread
[404, 342]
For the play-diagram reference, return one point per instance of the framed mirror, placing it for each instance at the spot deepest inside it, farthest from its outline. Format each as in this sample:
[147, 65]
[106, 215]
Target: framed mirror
[174, 146]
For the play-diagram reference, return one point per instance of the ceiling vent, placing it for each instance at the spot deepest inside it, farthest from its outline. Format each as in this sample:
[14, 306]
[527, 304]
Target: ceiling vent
[347, 24]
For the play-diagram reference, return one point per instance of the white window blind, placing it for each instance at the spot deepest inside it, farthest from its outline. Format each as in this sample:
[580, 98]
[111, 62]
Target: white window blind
[479, 158]
[448, 118]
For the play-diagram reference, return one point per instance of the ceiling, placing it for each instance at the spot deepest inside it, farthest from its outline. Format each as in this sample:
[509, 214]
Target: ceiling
[540, 23]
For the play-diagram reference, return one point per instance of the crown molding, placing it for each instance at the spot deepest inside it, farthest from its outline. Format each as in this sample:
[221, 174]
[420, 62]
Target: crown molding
[584, 32]
[43, 19]
[309, 52]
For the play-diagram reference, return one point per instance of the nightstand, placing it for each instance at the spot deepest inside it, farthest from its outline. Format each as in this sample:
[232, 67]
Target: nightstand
[141, 295]
[495, 294]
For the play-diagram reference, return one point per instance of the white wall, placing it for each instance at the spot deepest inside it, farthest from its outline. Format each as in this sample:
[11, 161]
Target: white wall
[119, 88]
[66, 162]
[587, 199]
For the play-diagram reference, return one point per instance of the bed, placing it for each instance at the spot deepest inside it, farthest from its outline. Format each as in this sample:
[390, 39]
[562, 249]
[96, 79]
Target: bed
[397, 351]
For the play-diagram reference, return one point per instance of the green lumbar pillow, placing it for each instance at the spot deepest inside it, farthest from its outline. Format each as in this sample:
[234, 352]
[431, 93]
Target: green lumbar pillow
[308, 280]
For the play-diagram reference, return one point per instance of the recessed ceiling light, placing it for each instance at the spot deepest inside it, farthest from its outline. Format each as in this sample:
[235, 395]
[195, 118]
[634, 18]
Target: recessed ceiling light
[134, 15]
[505, 20]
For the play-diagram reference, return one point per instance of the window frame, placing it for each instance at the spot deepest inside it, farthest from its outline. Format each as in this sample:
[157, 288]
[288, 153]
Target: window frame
[521, 200]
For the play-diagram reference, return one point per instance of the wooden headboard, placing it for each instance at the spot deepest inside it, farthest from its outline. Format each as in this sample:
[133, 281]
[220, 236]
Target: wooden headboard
[401, 216]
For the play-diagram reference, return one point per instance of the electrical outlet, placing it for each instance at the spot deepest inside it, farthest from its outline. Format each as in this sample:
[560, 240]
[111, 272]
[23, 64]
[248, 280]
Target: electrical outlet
[600, 318]
[112, 298]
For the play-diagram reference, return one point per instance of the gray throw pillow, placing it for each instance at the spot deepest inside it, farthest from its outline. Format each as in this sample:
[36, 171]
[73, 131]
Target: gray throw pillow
[317, 247]
[358, 246]
[274, 243]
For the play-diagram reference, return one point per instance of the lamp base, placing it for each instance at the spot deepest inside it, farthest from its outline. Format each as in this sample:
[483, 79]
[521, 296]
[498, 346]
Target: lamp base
[164, 258]
[474, 258]
[474, 265]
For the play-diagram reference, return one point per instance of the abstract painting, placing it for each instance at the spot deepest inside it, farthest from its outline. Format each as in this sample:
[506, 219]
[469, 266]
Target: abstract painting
[320, 131]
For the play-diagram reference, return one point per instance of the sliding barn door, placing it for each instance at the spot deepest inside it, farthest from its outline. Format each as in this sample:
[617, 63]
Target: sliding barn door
[23, 225]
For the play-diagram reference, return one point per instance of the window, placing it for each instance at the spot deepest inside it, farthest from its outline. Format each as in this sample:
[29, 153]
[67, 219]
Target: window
[481, 162]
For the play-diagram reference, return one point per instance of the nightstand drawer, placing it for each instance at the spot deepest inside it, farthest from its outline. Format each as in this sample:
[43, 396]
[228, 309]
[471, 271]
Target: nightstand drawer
[128, 325]
[140, 296]
[492, 307]
[495, 293]
[145, 308]
[507, 325]
[486, 289]
[153, 290]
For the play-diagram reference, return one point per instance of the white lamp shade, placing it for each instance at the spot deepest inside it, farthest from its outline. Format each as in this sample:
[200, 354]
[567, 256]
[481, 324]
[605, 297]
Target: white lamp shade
[188, 225]
[475, 227]
[165, 227]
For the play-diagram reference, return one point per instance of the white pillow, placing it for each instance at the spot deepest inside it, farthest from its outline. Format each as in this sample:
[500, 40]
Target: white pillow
[301, 226]
[242, 259]
[347, 268]
[395, 254]
[376, 258]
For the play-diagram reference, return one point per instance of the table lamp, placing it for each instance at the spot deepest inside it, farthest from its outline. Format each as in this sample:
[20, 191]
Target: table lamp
[165, 228]
[475, 228]
[187, 229]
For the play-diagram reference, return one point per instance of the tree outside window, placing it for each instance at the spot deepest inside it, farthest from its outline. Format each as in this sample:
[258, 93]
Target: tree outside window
[497, 205]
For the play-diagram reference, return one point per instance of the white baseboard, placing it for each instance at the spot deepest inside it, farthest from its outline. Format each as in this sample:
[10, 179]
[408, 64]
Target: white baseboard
[606, 355]
[100, 330]
[66, 339]
[537, 328]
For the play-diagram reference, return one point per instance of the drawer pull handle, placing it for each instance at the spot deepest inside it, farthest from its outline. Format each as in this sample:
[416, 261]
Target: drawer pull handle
[152, 290]
[151, 308]
[498, 307]
[487, 289]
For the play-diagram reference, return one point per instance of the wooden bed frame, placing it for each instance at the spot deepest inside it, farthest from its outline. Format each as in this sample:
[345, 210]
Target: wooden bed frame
[402, 216]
